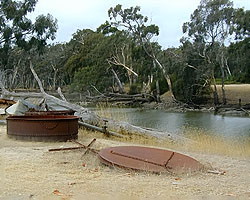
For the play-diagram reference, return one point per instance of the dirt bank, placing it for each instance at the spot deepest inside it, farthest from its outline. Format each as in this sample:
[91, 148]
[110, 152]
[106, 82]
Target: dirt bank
[29, 171]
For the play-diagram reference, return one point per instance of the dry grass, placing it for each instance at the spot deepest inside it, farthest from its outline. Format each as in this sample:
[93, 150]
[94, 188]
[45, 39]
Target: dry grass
[107, 110]
[234, 92]
[202, 142]
[207, 142]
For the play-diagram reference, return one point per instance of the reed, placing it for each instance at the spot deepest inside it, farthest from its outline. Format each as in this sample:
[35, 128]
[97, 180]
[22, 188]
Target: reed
[208, 142]
[202, 142]
[107, 110]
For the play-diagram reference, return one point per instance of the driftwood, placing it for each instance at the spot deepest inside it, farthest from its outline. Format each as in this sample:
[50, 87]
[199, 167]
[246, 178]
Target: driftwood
[76, 148]
[88, 147]
[66, 149]
[89, 117]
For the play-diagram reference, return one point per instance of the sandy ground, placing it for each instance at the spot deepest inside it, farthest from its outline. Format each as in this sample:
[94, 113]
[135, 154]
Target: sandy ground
[29, 171]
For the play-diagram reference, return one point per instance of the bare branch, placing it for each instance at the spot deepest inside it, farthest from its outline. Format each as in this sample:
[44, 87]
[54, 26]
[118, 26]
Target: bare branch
[116, 62]
[59, 91]
[191, 66]
[37, 78]
[97, 90]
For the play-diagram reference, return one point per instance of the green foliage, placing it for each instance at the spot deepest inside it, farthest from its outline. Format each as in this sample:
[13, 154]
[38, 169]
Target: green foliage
[239, 60]
[244, 77]
[87, 78]
[91, 61]
[163, 86]
[17, 29]
[242, 23]
[106, 29]
[211, 21]
[134, 22]
[95, 50]
[187, 73]
[135, 88]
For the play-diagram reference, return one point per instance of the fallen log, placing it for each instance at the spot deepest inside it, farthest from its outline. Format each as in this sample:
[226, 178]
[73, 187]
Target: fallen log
[103, 130]
[247, 112]
[116, 97]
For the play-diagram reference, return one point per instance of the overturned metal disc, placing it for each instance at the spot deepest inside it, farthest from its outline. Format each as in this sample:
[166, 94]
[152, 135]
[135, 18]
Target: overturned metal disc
[148, 159]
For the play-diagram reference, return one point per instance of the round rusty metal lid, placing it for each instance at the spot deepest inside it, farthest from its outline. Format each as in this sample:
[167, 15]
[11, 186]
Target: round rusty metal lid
[148, 159]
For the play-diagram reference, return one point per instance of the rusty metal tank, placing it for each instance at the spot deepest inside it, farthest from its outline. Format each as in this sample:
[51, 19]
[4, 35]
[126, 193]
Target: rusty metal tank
[43, 127]
[53, 112]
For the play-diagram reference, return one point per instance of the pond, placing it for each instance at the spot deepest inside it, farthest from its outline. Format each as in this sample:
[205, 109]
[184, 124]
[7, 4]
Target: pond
[175, 122]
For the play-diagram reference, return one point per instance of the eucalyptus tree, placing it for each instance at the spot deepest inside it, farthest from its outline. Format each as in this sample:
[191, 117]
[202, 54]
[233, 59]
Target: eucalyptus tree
[129, 55]
[122, 57]
[241, 21]
[211, 24]
[239, 51]
[50, 65]
[136, 25]
[88, 66]
[16, 29]
[239, 60]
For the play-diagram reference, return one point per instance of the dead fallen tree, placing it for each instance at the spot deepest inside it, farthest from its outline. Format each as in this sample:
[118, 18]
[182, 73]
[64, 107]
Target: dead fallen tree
[89, 117]
[124, 98]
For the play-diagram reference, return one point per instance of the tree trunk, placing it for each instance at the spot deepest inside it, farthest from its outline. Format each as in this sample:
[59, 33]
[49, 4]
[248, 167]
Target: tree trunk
[118, 81]
[166, 77]
[223, 79]
[54, 79]
[215, 92]
[14, 74]
[157, 91]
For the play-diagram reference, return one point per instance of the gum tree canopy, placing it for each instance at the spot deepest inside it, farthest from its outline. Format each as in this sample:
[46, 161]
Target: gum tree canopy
[211, 24]
[17, 29]
[136, 25]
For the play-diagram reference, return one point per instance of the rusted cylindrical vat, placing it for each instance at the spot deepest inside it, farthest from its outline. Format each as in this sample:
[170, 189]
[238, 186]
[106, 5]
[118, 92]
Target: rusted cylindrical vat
[53, 112]
[40, 128]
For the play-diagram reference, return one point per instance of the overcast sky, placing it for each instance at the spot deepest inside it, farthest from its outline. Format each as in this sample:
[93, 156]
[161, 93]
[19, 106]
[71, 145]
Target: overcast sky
[169, 15]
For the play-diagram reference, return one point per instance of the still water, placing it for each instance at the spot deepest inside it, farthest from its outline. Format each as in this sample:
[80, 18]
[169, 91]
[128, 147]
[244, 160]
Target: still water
[172, 122]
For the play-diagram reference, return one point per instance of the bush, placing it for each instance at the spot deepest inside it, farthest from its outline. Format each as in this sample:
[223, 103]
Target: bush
[135, 88]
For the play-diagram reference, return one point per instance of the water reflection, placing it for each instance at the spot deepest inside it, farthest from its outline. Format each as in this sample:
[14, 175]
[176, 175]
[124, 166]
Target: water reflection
[227, 126]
